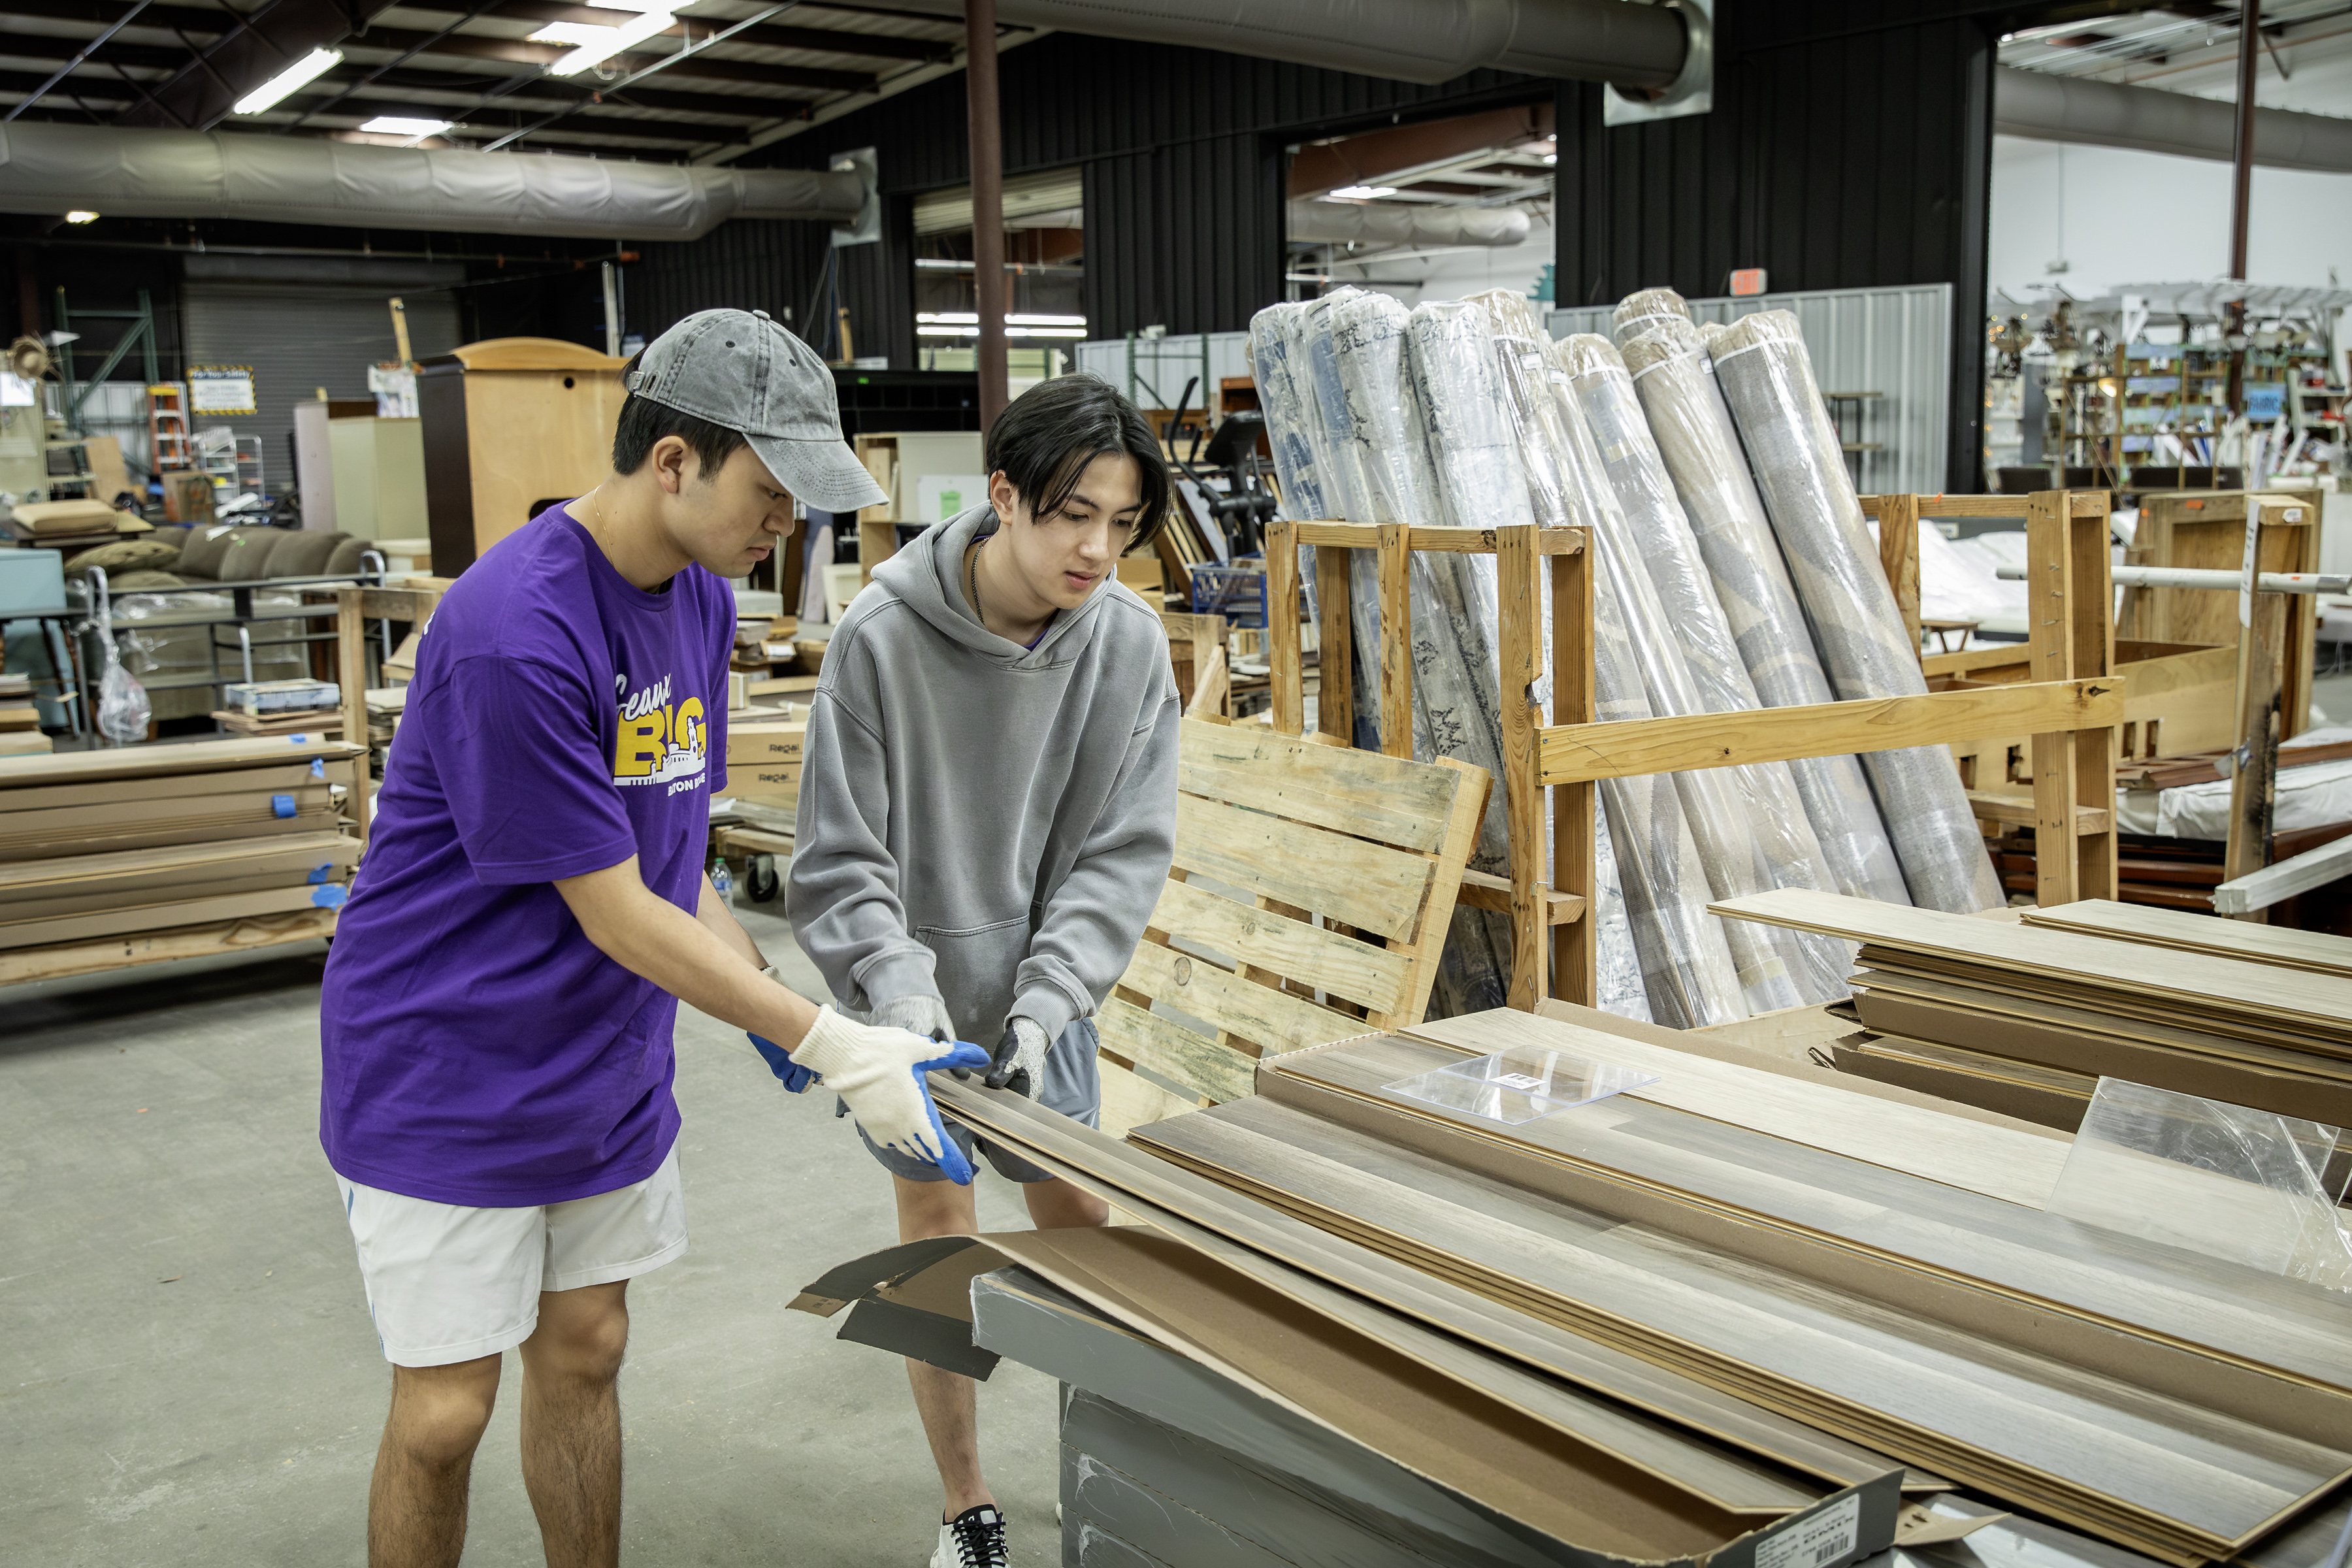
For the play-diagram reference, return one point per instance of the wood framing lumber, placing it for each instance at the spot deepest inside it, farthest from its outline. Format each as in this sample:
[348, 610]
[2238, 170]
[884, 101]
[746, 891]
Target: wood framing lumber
[2086, 503]
[49, 929]
[1573, 753]
[2318, 950]
[149, 762]
[1484, 890]
[2211, 988]
[2259, 889]
[57, 962]
[1442, 540]
[2019, 809]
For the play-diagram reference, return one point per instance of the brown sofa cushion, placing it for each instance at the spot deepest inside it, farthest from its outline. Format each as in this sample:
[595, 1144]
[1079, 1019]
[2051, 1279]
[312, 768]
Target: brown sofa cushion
[249, 555]
[304, 553]
[126, 555]
[127, 581]
[345, 562]
[200, 556]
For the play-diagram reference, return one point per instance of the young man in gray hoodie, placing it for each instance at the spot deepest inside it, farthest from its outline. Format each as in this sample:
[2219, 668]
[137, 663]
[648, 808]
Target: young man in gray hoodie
[988, 812]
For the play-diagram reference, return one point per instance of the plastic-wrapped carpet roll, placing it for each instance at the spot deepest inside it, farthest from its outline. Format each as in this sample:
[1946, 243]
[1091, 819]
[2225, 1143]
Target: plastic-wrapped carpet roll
[1323, 402]
[1701, 450]
[1792, 448]
[1588, 373]
[1566, 479]
[1637, 312]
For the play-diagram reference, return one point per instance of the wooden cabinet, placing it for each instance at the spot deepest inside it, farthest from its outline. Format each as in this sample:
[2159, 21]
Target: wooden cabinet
[510, 424]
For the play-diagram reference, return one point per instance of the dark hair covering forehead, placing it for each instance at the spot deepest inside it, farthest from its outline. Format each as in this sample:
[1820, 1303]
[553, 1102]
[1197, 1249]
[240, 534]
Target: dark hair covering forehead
[1045, 441]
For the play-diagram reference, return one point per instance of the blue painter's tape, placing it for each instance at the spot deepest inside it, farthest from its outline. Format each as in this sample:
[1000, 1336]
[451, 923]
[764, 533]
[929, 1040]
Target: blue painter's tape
[318, 767]
[282, 804]
[330, 897]
[320, 873]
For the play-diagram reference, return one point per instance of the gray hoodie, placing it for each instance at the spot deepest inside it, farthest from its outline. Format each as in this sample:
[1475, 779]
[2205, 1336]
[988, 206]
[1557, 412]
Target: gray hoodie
[985, 822]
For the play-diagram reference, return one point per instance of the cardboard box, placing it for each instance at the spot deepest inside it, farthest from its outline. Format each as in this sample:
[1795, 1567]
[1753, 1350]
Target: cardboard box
[765, 744]
[260, 698]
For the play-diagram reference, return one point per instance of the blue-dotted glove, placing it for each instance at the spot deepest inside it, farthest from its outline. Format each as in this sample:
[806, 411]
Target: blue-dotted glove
[879, 1073]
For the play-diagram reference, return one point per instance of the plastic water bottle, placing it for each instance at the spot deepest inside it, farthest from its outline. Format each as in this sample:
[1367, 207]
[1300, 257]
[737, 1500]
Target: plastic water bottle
[719, 877]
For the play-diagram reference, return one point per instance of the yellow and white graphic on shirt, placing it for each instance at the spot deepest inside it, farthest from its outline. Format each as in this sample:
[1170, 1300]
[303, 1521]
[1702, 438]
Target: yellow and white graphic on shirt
[659, 741]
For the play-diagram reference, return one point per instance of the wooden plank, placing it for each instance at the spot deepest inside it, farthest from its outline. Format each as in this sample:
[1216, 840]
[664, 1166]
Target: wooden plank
[2021, 809]
[1167, 1047]
[2015, 1167]
[2257, 891]
[2204, 986]
[2087, 503]
[182, 792]
[1448, 865]
[1484, 890]
[351, 676]
[58, 962]
[1282, 636]
[151, 761]
[1363, 794]
[28, 879]
[1335, 700]
[2260, 689]
[1396, 641]
[1520, 659]
[781, 685]
[1368, 886]
[2318, 950]
[1321, 960]
[1440, 540]
[1898, 554]
[1211, 686]
[1268, 1017]
[1130, 1100]
[72, 821]
[49, 929]
[1575, 953]
[1578, 751]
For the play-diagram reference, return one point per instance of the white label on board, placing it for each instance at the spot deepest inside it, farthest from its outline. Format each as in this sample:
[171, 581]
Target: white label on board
[1818, 1541]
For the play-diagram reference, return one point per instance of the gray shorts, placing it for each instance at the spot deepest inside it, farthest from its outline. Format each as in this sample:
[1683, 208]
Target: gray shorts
[1073, 1086]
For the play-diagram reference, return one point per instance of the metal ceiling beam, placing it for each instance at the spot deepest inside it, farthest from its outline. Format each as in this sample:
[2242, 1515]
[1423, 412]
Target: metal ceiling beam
[255, 46]
[768, 35]
[741, 106]
[145, 56]
[522, 51]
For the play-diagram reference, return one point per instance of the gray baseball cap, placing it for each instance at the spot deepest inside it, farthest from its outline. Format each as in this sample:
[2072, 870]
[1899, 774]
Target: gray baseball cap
[740, 369]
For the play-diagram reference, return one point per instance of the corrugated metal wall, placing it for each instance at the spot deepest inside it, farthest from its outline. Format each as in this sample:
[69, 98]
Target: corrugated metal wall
[1896, 342]
[1152, 370]
[1850, 147]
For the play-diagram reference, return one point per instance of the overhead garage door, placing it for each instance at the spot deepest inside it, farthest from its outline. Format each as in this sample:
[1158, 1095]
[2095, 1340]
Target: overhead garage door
[302, 334]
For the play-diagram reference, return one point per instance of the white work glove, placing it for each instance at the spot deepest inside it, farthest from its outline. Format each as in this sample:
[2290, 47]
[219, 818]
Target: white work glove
[1019, 1061]
[879, 1073]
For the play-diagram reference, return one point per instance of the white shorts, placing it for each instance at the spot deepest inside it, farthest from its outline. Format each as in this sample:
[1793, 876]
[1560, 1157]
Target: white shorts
[447, 1283]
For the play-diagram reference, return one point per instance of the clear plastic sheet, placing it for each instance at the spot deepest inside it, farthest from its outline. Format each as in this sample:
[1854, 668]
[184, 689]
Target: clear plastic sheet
[1637, 312]
[1588, 373]
[2249, 1186]
[1566, 483]
[1521, 1083]
[1793, 451]
[1701, 451]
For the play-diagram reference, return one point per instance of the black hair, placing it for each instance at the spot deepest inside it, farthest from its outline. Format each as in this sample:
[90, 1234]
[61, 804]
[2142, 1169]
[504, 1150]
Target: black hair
[1044, 442]
[645, 422]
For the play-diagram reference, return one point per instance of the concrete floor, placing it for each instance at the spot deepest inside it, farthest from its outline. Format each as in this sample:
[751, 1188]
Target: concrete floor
[187, 1373]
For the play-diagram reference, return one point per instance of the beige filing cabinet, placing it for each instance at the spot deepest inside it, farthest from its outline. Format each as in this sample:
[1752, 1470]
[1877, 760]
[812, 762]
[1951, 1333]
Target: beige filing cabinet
[508, 423]
[379, 477]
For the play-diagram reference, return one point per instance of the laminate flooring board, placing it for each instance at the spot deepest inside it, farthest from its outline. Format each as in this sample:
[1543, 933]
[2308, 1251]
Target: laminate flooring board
[1883, 1232]
[1352, 1284]
[1994, 1414]
[154, 867]
[2199, 982]
[1893, 1006]
[1998, 1070]
[2018, 1166]
[149, 762]
[1386, 1392]
[2319, 952]
[2143, 1014]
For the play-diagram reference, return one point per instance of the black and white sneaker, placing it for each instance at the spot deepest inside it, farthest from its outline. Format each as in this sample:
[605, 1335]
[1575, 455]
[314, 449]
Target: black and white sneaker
[973, 1539]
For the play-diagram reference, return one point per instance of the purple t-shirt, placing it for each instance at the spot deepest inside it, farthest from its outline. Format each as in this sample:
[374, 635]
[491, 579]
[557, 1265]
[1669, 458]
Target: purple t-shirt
[479, 1048]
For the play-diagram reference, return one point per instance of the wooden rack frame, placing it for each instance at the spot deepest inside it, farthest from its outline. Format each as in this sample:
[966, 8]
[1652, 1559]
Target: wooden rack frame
[354, 607]
[2071, 709]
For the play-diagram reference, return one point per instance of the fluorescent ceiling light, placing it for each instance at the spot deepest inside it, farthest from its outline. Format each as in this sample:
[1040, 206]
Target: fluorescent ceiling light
[81, 217]
[971, 319]
[1363, 193]
[294, 78]
[972, 330]
[395, 125]
[597, 45]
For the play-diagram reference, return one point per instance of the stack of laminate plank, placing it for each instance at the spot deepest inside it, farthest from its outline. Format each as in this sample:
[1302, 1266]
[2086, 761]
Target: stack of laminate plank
[1778, 1250]
[98, 845]
[20, 722]
[2027, 1018]
[763, 762]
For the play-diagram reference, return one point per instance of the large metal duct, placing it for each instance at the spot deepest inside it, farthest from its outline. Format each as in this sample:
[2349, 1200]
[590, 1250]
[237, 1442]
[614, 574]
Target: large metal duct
[2109, 114]
[1346, 223]
[124, 173]
[1429, 41]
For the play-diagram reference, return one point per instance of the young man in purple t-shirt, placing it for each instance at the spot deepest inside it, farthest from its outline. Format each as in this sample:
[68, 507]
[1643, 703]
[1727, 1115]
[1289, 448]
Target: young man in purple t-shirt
[497, 1008]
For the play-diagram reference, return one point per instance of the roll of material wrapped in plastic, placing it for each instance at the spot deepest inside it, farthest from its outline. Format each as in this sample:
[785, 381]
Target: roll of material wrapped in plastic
[1700, 447]
[1588, 371]
[1637, 312]
[1566, 478]
[1800, 467]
